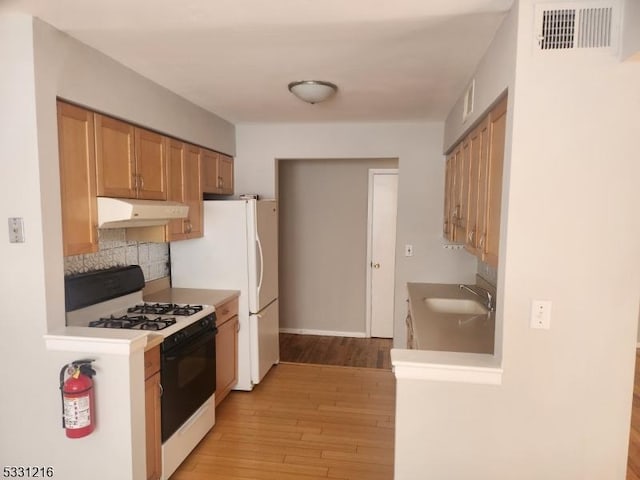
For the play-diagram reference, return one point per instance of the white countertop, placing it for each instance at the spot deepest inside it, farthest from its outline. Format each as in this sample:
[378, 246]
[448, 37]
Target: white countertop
[451, 347]
[123, 341]
[192, 295]
[449, 332]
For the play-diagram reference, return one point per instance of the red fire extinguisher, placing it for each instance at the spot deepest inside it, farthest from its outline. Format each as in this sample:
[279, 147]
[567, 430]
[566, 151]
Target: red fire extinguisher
[78, 402]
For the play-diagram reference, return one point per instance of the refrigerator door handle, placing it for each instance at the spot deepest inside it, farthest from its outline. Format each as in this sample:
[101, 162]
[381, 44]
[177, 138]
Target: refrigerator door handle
[259, 248]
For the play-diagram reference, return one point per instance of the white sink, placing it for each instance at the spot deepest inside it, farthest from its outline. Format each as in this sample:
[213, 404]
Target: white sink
[455, 305]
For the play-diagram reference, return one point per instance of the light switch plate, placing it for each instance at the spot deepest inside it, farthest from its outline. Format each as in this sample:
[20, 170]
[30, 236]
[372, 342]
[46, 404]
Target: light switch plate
[408, 250]
[16, 230]
[541, 314]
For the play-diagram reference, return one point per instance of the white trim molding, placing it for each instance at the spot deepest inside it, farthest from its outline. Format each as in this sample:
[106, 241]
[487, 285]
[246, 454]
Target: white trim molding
[329, 333]
[446, 366]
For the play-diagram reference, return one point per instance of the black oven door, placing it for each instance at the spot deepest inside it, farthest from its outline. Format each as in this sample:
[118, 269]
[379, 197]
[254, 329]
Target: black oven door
[188, 377]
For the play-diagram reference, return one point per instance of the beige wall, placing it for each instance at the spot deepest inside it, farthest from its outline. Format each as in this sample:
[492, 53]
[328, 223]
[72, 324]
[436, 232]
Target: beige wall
[323, 243]
[563, 409]
[631, 30]
[417, 146]
[39, 63]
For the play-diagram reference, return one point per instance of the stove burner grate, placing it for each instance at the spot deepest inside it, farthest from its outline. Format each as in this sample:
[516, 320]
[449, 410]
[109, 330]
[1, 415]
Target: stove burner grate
[136, 322]
[165, 309]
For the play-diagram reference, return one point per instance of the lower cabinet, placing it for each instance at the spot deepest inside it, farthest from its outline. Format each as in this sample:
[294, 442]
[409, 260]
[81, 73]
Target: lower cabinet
[226, 348]
[152, 391]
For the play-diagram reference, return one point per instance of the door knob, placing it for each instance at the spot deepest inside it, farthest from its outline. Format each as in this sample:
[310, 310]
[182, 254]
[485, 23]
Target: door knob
[376, 265]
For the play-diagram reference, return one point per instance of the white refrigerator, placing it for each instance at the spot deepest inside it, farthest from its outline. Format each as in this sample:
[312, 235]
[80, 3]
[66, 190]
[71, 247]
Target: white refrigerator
[239, 251]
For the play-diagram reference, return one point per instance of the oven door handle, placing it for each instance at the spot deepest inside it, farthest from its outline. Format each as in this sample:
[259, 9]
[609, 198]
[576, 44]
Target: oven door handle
[190, 346]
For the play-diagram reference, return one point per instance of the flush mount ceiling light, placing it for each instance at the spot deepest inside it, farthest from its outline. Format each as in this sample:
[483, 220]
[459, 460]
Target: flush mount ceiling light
[312, 91]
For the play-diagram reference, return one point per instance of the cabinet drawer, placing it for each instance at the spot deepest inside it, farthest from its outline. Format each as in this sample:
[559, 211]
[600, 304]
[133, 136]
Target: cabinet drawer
[226, 311]
[151, 361]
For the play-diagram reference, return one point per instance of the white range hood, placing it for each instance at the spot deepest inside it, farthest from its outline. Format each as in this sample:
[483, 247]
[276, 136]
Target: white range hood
[127, 213]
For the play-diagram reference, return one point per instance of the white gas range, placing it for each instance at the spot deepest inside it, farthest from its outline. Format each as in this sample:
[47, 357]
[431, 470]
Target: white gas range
[113, 299]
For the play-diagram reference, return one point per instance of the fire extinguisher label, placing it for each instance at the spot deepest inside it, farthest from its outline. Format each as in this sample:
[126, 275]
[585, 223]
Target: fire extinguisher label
[76, 412]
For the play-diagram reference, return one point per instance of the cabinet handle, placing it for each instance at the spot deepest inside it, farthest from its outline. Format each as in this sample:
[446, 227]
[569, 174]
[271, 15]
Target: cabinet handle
[238, 326]
[220, 183]
[141, 182]
[481, 243]
[134, 177]
[161, 389]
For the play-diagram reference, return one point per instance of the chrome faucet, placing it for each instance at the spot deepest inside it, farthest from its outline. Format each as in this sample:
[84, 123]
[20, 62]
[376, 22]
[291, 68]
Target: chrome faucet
[482, 293]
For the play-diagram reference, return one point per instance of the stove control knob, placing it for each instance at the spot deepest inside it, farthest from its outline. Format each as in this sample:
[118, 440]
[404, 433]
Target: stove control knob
[205, 322]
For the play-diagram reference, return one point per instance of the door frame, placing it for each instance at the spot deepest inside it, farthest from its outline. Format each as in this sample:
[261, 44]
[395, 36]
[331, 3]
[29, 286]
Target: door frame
[372, 173]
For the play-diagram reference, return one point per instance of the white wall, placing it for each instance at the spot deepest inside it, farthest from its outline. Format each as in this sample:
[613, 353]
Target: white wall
[563, 409]
[39, 63]
[631, 30]
[420, 187]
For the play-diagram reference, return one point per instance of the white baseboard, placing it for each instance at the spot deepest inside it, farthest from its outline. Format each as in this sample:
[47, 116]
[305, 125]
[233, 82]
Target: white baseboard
[304, 331]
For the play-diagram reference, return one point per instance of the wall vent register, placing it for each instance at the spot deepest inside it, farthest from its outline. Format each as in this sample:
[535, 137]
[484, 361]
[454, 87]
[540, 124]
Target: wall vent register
[573, 26]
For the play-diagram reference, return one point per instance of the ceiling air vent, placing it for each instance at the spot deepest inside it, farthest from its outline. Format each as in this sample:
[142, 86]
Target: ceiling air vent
[573, 26]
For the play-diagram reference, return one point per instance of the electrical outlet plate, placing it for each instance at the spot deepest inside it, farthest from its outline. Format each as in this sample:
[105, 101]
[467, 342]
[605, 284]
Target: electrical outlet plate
[16, 230]
[541, 314]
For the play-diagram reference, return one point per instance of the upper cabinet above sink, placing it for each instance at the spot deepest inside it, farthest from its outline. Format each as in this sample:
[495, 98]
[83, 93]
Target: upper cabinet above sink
[473, 187]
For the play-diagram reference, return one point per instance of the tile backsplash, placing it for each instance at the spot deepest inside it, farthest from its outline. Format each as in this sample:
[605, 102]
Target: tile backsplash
[116, 251]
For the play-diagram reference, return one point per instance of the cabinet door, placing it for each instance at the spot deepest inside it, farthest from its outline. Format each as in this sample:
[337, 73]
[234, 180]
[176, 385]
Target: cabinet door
[175, 164]
[77, 180]
[226, 358]
[478, 151]
[225, 174]
[497, 129]
[151, 164]
[447, 228]
[458, 166]
[152, 421]
[209, 171]
[115, 161]
[193, 191]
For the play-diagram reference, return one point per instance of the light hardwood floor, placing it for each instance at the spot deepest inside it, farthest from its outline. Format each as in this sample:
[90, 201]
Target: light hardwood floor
[303, 422]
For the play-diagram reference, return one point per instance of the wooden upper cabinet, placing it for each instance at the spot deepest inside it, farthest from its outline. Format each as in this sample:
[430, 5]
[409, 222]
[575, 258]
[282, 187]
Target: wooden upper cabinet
[115, 158]
[225, 174]
[77, 180]
[185, 187]
[151, 164]
[209, 171]
[473, 187]
[497, 133]
[478, 153]
[175, 161]
[131, 162]
[447, 227]
[217, 173]
[193, 191]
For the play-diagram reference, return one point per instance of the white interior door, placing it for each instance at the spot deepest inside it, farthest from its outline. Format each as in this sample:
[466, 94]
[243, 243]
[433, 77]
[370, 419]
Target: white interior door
[383, 194]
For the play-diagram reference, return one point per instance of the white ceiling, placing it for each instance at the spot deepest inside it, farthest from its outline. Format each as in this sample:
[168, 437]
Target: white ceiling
[391, 59]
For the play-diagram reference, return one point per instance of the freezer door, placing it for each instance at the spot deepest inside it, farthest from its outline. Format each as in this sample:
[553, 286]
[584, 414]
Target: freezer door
[266, 255]
[265, 343]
